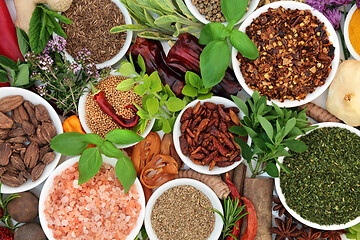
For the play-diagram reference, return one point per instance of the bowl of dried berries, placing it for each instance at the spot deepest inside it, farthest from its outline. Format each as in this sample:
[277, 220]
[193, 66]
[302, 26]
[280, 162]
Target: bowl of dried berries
[322, 190]
[202, 138]
[299, 53]
[94, 119]
[180, 209]
[27, 124]
[97, 209]
[90, 31]
[207, 11]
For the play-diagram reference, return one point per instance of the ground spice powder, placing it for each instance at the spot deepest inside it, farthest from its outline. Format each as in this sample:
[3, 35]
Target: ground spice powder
[182, 212]
[354, 31]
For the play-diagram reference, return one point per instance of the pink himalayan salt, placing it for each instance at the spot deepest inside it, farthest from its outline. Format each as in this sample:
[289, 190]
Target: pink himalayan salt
[96, 210]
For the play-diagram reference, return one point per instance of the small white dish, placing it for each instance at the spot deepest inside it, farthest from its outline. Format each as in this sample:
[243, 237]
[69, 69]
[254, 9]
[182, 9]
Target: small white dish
[192, 8]
[81, 110]
[296, 215]
[34, 99]
[215, 202]
[127, 43]
[332, 37]
[346, 33]
[67, 164]
[177, 133]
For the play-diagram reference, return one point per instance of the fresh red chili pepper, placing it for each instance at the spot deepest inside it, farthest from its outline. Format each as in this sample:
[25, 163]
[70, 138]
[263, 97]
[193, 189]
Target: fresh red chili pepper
[234, 195]
[5, 84]
[8, 39]
[106, 107]
[251, 228]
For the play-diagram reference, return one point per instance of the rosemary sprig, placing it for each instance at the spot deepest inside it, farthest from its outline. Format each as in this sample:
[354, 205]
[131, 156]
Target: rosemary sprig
[232, 214]
[6, 218]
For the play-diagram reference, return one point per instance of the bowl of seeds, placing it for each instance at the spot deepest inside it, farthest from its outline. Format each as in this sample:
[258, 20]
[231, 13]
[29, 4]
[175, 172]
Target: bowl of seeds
[207, 11]
[299, 53]
[180, 209]
[90, 31]
[95, 120]
[322, 190]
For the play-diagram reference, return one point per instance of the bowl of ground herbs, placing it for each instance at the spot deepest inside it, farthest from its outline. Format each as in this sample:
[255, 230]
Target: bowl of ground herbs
[181, 209]
[90, 30]
[323, 188]
[299, 53]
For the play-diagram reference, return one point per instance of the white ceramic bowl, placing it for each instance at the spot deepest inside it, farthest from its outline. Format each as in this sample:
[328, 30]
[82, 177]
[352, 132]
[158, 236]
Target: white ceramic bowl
[215, 202]
[346, 33]
[177, 133]
[67, 164]
[34, 99]
[332, 37]
[296, 215]
[126, 45]
[192, 8]
[81, 110]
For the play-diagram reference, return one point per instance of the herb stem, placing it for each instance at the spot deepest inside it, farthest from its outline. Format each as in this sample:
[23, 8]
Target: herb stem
[345, 49]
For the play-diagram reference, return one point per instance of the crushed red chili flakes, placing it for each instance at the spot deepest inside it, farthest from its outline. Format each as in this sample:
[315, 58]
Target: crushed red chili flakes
[295, 54]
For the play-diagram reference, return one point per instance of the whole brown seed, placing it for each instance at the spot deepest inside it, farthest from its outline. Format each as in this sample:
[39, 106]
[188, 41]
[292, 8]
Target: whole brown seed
[31, 155]
[41, 113]
[17, 132]
[10, 180]
[37, 171]
[28, 128]
[48, 158]
[9, 103]
[5, 121]
[5, 153]
[17, 162]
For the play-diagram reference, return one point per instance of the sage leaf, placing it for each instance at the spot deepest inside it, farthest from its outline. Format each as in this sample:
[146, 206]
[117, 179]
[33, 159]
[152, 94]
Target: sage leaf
[243, 44]
[89, 164]
[213, 70]
[213, 31]
[166, 19]
[272, 170]
[165, 5]
[129, 27]
[259, 142]
[23, 41]
[123, 136]
[22, 78]
[154, 35]
[152, 105]
[125, 172]
[126, 85]
[189, 91]
[181, 6]
[70, 143]
[6, 62]
[296, 146]
[241, 104]
[245, 149]
[175, 104]
[92, 138]
[233, 9]
[290, 124]
[110, 150]
[266, 126]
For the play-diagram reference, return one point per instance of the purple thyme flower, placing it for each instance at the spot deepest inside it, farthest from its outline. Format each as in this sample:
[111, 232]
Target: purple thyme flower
[334, 16]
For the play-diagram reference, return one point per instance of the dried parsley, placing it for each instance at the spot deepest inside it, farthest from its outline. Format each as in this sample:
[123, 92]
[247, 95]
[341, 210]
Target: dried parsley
[324, 186]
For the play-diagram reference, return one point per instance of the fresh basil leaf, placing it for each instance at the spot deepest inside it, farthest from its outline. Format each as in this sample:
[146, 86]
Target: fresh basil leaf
[244, 45]
[129, 27]
[155, 82]
[245, 149]
[233, 10]
[213, 31]
[69, 143]
[272, 170]
[92, 138]
[6, 62]
[152, 105]
[89, 164]
[175, 104]
[278, 110]
[22, 78]
[110, 150]
[213, 70]
[125, 172]
[241, 104]
[189, 90]
[123, 136]
[266, 125]
[296, 146]
[239, 130]
[126, 84]
[23, 41]
[205, 96]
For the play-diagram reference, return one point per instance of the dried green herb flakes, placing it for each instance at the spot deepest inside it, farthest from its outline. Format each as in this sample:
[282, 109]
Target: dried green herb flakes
[324, 184]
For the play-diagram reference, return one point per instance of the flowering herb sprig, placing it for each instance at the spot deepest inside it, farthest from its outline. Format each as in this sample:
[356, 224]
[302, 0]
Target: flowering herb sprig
[331, 10]
[61, 80]
[5, 216]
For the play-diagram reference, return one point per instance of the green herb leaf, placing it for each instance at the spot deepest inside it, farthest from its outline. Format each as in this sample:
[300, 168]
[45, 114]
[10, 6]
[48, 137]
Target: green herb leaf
[155, 82]
[92, 138]
[241, 104]
[152, 105]
[194, 79]
[129, 27]
[126, 69]
[70, 143]
[189, 91]
[267, 126]
[290, 124]
[175, 104]
[205, 96]
[23, 41]
[243, 44]
[22, 77]
[6, 62]
[213, 31]
[166, 125]
[296, 146]
[34, 30]
[141, 63]
[272, 170]
[126, 84]
[239, 130]
[89, 164]
[110, 150]
[125, 171]
[123, 136]
[55, 14]
[233, 10]
[213, 70]
[245, 149]
[140, 89]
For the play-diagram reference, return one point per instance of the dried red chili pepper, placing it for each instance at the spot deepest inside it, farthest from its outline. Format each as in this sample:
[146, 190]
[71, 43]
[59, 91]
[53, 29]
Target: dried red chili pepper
[251, 229]
[185, 56]
[234, 195]
[106, 107]
[154, 57]
[8, 39]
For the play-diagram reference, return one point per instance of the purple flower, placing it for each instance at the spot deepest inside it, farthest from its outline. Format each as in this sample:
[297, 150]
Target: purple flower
[358, 3]
[319, 5]
[334, 16]
[338, 3]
